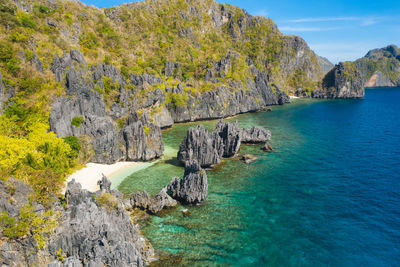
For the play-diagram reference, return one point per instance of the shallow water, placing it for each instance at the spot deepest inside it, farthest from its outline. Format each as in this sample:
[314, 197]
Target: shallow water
[328, 196]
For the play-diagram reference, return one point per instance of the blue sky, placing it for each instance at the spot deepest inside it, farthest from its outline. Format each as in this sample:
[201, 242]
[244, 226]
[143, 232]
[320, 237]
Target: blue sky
[339, 30]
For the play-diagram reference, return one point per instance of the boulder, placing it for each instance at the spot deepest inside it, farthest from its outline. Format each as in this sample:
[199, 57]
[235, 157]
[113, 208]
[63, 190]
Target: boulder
[255, 135]
[104, 184]
[192, 188]
[160, 201]
[154, 205]
[140, 200]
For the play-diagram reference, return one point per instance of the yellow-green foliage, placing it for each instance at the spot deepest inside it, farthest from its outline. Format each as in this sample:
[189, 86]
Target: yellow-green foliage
[31, 153]
[40, 226]
[177, 99]
[108, 201]
[146, 130]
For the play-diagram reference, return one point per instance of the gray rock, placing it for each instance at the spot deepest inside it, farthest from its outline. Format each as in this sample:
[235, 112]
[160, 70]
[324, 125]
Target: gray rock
[231, 137]
[255, 135]
[154, 205]
[146, 79]
[202, 146]
[344, 81]
[172, 69]
[140, 200]
[160, 201]
[37, 63]
[97, 236]
[104, 184]
[142, 139]
[268, 147]
[2, 94]
[193, 187]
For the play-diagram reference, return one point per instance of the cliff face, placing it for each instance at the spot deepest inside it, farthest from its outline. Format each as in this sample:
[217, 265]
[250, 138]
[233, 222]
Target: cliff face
[380, 67]
[325, 64]
[343, 81]
[114, 77]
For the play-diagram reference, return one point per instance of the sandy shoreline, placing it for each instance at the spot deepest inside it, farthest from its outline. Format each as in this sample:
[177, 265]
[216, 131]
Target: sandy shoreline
[92, 172]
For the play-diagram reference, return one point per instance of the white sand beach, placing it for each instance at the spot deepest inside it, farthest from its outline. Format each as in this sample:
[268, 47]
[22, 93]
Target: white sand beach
[92, 173]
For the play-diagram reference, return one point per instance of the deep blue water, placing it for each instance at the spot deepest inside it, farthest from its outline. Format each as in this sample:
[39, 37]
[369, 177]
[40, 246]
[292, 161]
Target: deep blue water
[328, 196]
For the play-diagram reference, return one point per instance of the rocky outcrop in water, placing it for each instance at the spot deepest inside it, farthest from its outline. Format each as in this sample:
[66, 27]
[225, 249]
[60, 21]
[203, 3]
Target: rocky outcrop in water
[344, 81]
[193, 187]
[207, 148]
[142, 200]
[93, 230]
[231, 137]
[255, 135]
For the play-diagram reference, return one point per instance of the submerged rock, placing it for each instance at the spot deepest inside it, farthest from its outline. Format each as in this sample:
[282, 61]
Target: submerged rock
[193, 187]
[186, 213]
[248, 158]
[267, 147]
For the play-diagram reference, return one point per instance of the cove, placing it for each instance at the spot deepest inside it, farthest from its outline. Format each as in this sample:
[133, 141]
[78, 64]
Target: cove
[328, 195]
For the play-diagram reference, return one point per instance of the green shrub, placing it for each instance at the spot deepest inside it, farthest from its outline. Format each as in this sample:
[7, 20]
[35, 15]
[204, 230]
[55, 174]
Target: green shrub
[108, 201]
[177, 100]
[77, 121]
[73, 142]
[19, 37]
[29, 223]
[27, 21]
[121, 123]
[6, 51]
[44, 9]
[89, 41]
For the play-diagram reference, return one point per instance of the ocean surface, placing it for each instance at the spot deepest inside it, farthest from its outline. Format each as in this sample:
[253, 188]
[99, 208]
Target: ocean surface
[328, 196]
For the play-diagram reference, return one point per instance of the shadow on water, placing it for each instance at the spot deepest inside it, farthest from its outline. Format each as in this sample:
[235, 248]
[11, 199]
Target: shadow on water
[174, 161]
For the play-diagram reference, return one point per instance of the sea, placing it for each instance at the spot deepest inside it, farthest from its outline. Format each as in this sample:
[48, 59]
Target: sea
[328, 195]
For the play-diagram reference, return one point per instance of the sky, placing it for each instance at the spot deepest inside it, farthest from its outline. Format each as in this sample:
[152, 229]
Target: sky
[339, 30]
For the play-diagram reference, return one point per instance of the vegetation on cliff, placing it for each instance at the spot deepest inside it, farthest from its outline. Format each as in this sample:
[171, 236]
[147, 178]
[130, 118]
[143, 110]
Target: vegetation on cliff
[136, 38]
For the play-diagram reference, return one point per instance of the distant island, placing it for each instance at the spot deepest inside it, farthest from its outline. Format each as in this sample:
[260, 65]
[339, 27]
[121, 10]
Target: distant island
[80, 84]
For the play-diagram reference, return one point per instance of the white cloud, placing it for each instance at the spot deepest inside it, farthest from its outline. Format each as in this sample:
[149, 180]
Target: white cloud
[322, 19]
[307, 29]
[261, 12]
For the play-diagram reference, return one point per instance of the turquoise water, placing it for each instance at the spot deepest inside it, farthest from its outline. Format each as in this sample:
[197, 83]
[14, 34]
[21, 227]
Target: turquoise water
[328, 196]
